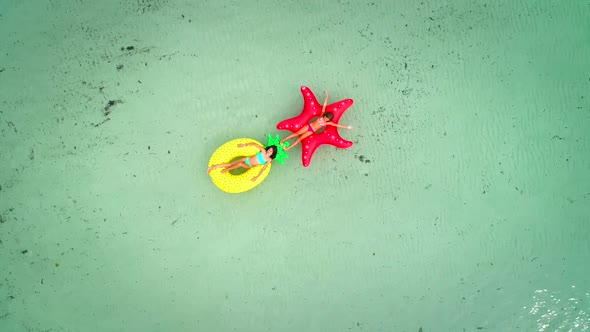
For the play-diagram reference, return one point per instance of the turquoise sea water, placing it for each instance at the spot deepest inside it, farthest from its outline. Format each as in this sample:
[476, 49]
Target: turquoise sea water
[463, 205]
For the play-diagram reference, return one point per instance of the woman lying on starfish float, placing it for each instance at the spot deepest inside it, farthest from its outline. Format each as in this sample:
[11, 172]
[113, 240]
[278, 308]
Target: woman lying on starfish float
[325, 119]
[264, 157]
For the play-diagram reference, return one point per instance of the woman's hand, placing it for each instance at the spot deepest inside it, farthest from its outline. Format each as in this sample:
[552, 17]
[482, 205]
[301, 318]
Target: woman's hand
[254, 179]
[349, 127]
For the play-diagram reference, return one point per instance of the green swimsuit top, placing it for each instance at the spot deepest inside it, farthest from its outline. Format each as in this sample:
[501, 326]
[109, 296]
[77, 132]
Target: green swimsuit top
[260, 158]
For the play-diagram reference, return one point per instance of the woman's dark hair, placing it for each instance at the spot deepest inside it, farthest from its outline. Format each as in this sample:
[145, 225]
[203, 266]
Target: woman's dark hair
[329, 115]
[274, 151]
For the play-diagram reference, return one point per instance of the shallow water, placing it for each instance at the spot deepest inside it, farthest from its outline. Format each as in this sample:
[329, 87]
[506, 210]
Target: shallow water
[462, 206]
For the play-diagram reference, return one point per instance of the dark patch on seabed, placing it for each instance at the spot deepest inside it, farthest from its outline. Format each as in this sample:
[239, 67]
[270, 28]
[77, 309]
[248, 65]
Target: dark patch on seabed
[3, 215]
[106, 111]
[362, 158]
[146, 6]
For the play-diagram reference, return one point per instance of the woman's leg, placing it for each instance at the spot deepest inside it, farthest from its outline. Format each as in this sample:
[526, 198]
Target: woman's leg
[240, 162]
[234, 166]
[301, 138]
[299, 132]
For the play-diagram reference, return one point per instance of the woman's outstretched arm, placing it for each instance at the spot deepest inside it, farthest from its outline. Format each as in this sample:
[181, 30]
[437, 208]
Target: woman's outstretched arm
[325, 102]
[261, 170]
[338, 125]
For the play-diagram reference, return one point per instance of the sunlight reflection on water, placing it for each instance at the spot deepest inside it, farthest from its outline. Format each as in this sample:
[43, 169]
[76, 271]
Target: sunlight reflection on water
[560, 311]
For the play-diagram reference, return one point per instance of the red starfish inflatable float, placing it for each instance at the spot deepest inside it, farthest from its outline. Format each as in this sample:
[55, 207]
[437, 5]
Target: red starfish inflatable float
[312, 108]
